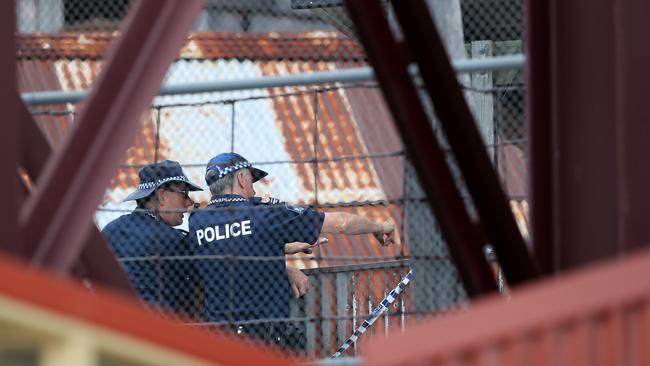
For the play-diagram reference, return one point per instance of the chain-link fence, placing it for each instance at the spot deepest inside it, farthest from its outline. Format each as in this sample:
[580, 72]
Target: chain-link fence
[329, 149]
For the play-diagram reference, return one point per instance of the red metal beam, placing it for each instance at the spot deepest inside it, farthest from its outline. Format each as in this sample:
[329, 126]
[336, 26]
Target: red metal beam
[632, 86]
[541, 325]
[462, 235]
[589, 131]
[583, 134]
[465, 140]
[538, 101]
[10, 126]
[124, 317]
[97, 262]
[54, 221]
[35, 149]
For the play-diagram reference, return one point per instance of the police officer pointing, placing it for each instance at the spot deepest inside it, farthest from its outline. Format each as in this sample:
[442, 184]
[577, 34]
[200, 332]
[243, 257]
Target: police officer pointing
[239, 241]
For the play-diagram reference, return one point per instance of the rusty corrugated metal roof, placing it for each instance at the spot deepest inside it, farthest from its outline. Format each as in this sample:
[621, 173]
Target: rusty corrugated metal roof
[337, 136]
[381, 137]
[55, 120]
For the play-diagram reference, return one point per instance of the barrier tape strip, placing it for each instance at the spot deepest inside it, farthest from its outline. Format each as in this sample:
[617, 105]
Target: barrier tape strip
[380, 309]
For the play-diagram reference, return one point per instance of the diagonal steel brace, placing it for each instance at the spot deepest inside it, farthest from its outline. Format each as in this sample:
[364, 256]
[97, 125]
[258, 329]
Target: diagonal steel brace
[464, 238]
[54, 221]
[465, 140]
[97, 261]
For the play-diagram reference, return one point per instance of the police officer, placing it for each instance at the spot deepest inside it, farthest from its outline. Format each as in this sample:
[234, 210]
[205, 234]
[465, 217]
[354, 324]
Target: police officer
[239, 240]
[144, 238]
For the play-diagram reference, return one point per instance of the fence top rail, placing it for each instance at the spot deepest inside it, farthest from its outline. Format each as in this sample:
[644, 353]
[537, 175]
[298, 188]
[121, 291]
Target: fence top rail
[401, 263]
[347, 75]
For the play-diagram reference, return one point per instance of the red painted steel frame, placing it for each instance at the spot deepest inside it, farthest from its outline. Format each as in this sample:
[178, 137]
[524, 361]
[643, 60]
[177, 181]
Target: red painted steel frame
[538, 97]
[10, 127]
[75, 178]
[589, 129]
[127, 318]
[97, 262]
[463, 237]
[35, 149]
[556, 321]
[583, 181]
[465, 140]
[632, 86]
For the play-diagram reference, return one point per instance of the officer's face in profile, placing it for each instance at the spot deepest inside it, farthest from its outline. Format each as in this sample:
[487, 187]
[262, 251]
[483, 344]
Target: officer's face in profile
[247, 184]
[173, 202]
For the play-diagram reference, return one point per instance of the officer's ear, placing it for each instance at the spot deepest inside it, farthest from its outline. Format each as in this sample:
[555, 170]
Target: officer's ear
[241, 178]
[161, 195]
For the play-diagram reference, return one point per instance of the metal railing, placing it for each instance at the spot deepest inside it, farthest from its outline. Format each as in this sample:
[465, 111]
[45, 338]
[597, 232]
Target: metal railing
[598, 315]
[341, 298]
[351, 75]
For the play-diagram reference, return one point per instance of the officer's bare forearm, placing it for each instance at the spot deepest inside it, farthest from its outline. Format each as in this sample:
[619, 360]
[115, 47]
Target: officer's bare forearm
[346, 223]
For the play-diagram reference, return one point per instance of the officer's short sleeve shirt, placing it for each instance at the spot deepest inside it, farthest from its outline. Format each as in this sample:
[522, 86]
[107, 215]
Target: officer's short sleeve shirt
[239, 246]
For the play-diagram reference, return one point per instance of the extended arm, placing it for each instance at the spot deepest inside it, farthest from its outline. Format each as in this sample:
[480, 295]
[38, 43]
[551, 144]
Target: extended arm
[299, 247]
[351, 224]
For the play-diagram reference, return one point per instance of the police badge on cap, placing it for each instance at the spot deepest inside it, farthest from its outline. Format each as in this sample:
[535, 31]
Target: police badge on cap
[153, 176]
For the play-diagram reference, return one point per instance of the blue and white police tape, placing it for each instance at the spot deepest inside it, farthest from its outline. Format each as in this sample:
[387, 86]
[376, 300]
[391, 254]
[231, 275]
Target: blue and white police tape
[374, 315]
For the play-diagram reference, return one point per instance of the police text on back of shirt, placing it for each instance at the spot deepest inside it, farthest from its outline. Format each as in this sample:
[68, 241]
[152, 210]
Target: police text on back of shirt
[220, 232]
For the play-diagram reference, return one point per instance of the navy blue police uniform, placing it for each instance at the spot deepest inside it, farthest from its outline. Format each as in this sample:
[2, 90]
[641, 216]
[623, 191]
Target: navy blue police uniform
[232, 228]
[144, 244]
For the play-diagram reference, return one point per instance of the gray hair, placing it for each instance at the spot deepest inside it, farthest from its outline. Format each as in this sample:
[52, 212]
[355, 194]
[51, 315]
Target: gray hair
[223, 184]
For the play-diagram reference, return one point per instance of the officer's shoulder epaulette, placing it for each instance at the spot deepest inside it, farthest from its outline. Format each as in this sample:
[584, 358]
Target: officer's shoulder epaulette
[266, 200]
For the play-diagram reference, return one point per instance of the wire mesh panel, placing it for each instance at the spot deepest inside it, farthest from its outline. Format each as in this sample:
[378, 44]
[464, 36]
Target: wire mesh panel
[329, 150]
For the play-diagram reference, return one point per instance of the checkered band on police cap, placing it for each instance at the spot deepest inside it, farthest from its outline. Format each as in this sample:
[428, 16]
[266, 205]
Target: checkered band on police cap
[154, 175]
[226, 163]
[222, 172]
[177, 178]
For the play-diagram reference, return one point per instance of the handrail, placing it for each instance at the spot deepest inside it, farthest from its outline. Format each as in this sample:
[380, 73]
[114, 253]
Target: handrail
[358, 267]
[341, 297]
[562, 320]
[42, 312]
[350, 75]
